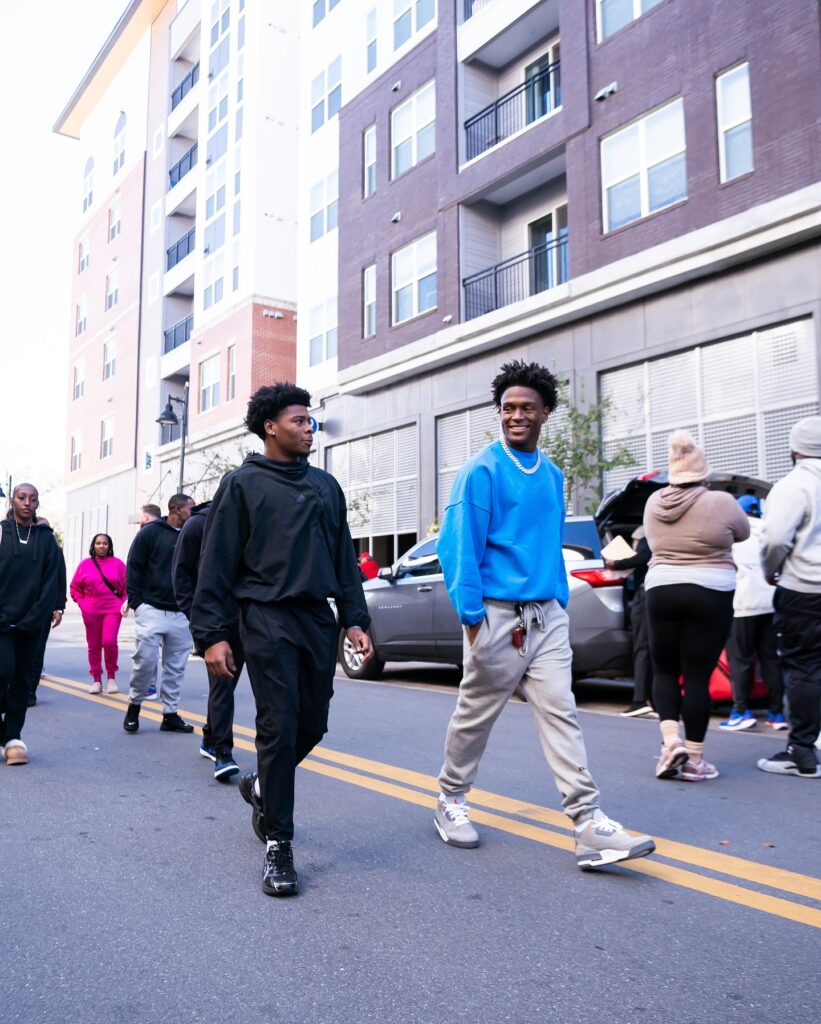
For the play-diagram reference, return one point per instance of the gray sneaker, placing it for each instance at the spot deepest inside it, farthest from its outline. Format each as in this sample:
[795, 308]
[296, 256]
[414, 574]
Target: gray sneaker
[601, 841]
[453, 823]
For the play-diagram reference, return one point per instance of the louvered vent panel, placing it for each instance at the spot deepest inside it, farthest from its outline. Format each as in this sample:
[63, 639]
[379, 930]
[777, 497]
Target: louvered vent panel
[672, 384]
[728, 376]
[777, 426]
[730, 445]
[787, 364]
[625, 389]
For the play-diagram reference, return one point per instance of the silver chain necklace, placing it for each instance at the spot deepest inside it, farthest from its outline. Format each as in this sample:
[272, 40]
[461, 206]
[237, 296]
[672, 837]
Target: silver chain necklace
[517, 464]
[19, 538]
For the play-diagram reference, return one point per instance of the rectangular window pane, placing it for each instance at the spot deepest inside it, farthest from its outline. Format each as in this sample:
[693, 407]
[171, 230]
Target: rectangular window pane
[371, 55]
[315, 350]
[334, 101]
[403, 304]
[425, 10]
[738, 150]
[735, 96]
[665, 132]
[624, 203]
[427, 292]
[402, 30]
[621, 155]
[615, 14]
[667, 182]
[331, 343]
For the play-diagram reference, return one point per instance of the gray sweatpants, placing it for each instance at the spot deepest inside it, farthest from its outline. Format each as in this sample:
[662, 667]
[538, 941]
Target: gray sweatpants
[155, 629]
[493, 669]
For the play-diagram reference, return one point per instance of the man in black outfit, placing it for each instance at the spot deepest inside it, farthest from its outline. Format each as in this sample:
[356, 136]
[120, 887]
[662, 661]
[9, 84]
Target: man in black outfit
[642, 665]
[217, 733]
[277, 543]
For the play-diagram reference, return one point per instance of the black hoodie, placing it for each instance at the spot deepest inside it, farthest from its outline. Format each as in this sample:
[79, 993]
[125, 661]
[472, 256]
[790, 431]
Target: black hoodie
[185, 567]
[276, 531]
[148, 569]
[29, 576]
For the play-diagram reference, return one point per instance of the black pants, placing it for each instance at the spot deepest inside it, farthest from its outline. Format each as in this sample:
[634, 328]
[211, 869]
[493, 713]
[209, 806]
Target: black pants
[688, 627]
[40, 657]
[752, 639]
[218, 731]
[18, 654]
[642, 665]
[290, 651]
[798, 626]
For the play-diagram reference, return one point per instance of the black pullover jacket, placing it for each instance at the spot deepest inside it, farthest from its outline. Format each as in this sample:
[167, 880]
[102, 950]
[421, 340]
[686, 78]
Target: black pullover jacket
[148, 569]
[276, 532]
[29, 576]
[185, 567]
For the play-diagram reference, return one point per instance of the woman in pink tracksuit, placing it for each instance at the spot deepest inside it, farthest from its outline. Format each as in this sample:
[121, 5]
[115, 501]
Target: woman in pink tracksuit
[98, 587]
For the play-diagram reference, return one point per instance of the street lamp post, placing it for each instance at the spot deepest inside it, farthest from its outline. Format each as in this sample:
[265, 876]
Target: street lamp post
[168, 418]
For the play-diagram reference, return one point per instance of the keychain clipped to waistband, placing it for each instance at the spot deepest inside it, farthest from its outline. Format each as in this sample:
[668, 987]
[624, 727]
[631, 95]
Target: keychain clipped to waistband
[517, 634]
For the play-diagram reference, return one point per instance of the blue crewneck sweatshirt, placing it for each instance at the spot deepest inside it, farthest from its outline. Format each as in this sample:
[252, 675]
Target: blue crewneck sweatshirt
[501, 533]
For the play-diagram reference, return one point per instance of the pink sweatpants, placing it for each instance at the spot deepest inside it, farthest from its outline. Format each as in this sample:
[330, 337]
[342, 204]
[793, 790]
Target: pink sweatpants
[101, 636]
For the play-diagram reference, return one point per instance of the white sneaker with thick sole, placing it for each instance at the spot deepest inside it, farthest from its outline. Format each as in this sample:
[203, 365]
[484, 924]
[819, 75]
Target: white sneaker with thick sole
[452, 821]
[601, 841]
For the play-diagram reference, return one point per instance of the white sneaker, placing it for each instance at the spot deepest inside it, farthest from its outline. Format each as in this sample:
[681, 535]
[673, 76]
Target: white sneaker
[601, 841]
[96, 687]
[452, 821]
[16, 752]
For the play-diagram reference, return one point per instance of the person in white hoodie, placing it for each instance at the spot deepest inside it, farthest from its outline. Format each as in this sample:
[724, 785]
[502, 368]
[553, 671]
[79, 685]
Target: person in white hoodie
[752, 638]
[791, 559]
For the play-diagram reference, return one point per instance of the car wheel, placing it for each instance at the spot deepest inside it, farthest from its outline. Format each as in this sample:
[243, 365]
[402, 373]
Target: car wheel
[352, 663]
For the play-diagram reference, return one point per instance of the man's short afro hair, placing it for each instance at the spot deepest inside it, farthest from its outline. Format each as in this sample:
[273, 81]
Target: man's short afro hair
[268, 402]
[518, 374]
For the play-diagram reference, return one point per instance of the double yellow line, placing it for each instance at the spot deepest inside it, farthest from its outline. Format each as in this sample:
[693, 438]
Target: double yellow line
[539, 824]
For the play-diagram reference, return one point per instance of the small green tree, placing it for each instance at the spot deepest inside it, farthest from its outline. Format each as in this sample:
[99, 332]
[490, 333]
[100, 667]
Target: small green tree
[574, 443]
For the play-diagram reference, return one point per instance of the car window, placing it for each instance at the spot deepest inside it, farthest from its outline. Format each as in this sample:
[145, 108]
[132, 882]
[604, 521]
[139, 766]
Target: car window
[582, 534]
[421, 561]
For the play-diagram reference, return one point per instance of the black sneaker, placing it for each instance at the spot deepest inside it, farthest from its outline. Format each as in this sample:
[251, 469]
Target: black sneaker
[173, 723]
[131, 722]
[225, 767]
[638, 709]
[278, 872]
[248, 794]
[792, 761]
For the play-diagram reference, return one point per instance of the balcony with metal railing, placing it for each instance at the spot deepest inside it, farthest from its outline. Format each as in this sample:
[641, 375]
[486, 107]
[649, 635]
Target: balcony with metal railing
[182, 166]
[177, 252]
[537, 270]
[185, 86]
[177, 335]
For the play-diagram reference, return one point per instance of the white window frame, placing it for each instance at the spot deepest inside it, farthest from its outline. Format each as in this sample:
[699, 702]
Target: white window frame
[231, 380]
[76, 451]
[79, 380]
[369, 301]
[638, 12]
[726, 126]
[640, 125]
[83, 252]
[324, 206]
[412, 102]
[119, 145]
[107, 437]
[209, 383]
[371, 41]
[218, 102]
[88, 184]
[115, 220]
[401, 8]
[323, 331]
[324, 89]
[112, 288]
[369, 161]
[110, 357]
[414, 280]
[80, 317]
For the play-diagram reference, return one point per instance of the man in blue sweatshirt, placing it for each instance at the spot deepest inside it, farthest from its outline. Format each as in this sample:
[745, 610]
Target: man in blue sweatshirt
[501, 554]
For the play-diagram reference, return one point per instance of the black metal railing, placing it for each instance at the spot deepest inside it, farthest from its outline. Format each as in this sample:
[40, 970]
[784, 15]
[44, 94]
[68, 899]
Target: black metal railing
[182, 166]
[539, 95]
[177, 335]
[531, 272]
[179, 250]
[185, 86]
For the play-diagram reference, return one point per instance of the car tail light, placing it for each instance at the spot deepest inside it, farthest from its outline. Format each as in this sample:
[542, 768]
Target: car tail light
[598, 577]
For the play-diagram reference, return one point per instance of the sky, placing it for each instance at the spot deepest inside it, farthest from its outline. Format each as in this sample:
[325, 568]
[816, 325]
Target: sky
[45, 49]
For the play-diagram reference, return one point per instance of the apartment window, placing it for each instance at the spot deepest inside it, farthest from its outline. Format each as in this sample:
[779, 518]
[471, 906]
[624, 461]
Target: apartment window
[112, 289]
[735, 124]
[119, 143]
[321, 8]
[107, 437]
[115, 223]
[322, 343]
[413, 279]
[209, 383]
[232, 372]
[644, 167]
[82, 255]
[370, 33]
[218, 102]
[235, 270]
[88, 183]
[79, 384]
[326, 94]
[109, 358]
[325, 206]
[237, 216]
[413, 130]
[217, 146]
[409, 16]
[369, 161]
[369, 301]
[543, 94]
[240, 33]
[218, 61]
[240, 77]
[215, 234]
[214, 281]
[80, 321]
[76, 451]
[214, 191]
[612, 15]
[220, 19]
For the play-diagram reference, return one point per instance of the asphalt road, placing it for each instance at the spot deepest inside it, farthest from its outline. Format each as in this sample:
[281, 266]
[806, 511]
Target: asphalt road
[130, 879]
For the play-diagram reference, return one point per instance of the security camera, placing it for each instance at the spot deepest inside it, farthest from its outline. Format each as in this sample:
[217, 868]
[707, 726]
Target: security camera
[608, 90]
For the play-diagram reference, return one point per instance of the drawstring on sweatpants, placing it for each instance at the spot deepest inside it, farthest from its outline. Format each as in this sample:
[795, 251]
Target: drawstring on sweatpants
[531, 612]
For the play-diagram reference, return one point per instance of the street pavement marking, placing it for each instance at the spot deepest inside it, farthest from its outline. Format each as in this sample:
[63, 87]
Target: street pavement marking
[776, 878]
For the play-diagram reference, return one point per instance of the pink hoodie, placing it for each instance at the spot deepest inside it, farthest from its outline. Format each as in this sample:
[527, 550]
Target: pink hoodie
[89, 591]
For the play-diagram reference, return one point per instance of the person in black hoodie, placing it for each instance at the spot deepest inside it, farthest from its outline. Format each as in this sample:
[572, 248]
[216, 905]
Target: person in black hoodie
[52, 623]
[159, 623]
[217, 733]
[29, 574]
[277, 543]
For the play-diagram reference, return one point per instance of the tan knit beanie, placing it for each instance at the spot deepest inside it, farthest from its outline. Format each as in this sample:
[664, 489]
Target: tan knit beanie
[686, 461]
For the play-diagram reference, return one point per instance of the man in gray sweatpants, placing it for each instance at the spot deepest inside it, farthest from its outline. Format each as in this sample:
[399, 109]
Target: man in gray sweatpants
[501, 554]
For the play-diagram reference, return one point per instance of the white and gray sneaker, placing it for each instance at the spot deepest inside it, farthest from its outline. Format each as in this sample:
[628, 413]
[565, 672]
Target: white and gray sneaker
[601, 841]
[452, 822]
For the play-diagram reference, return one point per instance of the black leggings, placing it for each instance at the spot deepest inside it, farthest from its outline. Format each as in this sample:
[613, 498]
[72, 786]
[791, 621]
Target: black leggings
[688, 627]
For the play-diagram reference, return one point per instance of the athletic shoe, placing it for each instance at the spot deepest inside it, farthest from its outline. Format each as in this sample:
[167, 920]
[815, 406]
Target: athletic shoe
[671, 759]
[224, 768]
[206, 751]
[151, 693]
[601, 841]
[738, 720]
[171, 722]
[16, 752]
[278, 872]
[249, 795]
[452, 821]
[638, 709]
[32, 701]
[792, 761]
[96, 687]
[111, 686]
[697, 771]
[776, 722]
[131, 722]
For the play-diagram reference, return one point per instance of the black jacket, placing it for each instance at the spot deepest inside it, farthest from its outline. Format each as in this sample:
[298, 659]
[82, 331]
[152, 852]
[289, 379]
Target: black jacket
[638, 562]
[185, 566]
[276, 531]
[148, 569]
[29, 576]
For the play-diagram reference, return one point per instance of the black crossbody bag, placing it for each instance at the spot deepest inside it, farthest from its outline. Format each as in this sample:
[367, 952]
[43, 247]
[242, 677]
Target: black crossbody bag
[108, 583]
